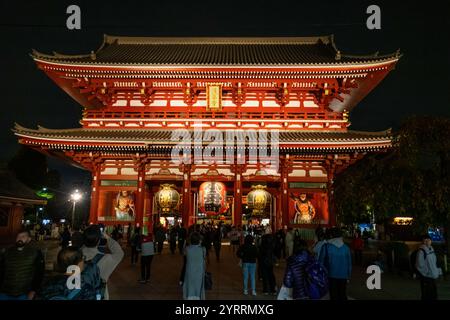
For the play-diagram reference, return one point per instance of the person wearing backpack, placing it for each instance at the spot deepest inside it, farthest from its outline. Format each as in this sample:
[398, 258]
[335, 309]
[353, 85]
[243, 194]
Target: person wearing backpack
[427, 269]
[109, 261]
[305, 277]
[295, 275]
[91, 284]
[335, 255]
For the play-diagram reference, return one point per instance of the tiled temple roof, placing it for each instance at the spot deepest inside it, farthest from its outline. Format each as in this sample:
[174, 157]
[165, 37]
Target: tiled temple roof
[12, 189]
[164, 137]
[239, 51]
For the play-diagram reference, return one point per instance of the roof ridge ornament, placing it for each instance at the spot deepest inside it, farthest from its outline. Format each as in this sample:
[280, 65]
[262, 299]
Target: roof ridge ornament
[338, 56]
[93, 55]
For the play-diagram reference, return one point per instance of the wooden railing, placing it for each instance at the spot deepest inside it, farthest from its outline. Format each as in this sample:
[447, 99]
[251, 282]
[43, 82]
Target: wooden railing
[104, 114]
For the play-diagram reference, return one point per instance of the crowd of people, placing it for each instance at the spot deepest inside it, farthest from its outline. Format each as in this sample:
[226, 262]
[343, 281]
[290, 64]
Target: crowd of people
[314, 269]
[259, 254]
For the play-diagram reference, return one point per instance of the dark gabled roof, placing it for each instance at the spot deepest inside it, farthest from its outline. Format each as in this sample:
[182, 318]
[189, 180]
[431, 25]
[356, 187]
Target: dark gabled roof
[159, 136]
[199, 51]
[12, 189]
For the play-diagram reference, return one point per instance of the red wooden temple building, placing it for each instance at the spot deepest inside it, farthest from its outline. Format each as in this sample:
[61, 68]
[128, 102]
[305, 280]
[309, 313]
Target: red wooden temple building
[136, 92]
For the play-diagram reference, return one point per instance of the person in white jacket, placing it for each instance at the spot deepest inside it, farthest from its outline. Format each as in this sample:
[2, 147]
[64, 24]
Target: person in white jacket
[428, 270]
[108, 263]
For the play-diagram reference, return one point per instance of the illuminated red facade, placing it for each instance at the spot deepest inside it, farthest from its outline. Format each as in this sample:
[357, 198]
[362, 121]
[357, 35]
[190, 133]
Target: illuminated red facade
[136, 91]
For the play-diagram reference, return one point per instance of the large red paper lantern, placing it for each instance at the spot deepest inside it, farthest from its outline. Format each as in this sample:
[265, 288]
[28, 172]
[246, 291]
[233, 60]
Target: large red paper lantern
[212, 198]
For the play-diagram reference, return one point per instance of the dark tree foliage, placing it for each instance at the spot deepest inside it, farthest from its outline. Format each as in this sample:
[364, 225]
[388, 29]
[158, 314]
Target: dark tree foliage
[53, 180]
[30, 167]
[411, 179]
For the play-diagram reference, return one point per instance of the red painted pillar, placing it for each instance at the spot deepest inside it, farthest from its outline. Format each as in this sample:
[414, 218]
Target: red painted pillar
[186, 196]
[284, 193]
[149, 209]
[140, 195]
[277, 208]
[237, 211]
[93, 212]
[331, 211]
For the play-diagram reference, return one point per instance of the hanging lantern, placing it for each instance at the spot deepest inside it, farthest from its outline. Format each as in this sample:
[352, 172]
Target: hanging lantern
[212, 198]
[258, 199]
[167, 198]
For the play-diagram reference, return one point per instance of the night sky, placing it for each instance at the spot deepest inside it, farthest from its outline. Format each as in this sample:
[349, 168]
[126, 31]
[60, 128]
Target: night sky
[419, 85]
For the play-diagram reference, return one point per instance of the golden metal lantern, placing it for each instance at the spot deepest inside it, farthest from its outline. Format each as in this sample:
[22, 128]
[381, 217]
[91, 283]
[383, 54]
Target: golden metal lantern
[258, 199]
[167, 198]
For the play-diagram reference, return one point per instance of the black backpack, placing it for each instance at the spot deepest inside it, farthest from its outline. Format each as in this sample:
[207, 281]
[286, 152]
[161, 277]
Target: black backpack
[413, 260]
[56, 289]
[92, 286]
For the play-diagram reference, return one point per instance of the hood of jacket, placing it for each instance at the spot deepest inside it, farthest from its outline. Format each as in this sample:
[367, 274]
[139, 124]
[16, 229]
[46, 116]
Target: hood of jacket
[337, 242]
[90, 253]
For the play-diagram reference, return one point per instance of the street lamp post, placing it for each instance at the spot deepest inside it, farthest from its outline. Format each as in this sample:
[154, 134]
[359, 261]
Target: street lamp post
[76, 196]
[40, 209]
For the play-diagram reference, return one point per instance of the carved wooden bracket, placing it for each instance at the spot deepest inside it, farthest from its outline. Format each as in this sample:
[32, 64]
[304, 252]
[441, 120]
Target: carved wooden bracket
[147, 95]
[190, 94]
[239, 94]
[282, 95]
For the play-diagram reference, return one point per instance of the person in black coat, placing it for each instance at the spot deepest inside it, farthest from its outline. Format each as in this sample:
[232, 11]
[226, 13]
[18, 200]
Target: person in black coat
[217, 241]
[182, 235]
[266, 262]
[173, 239]
[65, 238]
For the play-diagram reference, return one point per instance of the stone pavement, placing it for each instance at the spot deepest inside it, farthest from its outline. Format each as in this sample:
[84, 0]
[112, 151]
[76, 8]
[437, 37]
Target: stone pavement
[227, 279]
[165, 274]
[393, 287]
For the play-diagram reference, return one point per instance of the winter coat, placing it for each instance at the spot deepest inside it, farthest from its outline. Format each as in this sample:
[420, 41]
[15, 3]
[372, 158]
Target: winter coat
[266, 251]
[336, 257]
[248, 253]
[426, 265]
[295, 275]
[21, 271]
[109, 262]
[193, 280]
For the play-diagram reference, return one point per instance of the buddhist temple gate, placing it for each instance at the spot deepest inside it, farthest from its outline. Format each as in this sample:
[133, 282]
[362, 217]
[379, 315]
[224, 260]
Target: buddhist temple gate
[137, 92]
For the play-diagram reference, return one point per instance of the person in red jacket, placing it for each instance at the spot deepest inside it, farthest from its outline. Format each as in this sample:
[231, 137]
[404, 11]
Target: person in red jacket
[358, 246]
